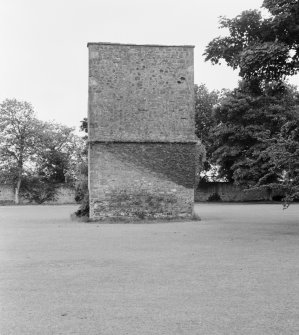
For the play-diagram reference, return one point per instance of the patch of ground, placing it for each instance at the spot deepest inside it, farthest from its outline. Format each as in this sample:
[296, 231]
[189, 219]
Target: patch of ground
[234, 272]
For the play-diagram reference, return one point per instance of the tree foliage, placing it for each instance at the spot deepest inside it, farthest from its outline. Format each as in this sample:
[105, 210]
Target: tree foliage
[35, 156]
[82, 193]
[17, 140]
[248, 128]
[283, 152]
[204, 104]
[38, 190]
[262, 48]
[205, 101]
[255, 138]
[58, 153]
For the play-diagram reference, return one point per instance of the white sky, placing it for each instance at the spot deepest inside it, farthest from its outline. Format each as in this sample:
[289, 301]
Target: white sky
[43, 56]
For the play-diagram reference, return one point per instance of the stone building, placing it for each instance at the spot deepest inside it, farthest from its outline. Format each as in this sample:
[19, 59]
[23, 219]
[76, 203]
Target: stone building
[142, 147]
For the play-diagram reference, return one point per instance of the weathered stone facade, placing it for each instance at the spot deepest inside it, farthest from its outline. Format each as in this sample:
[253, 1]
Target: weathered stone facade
[142, 147]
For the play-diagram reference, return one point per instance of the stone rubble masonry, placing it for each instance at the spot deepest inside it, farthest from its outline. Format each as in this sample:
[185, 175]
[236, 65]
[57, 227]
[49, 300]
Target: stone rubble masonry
[142, 147]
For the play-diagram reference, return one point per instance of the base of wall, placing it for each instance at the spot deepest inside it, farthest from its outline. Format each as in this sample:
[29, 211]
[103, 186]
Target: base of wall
[143, 205]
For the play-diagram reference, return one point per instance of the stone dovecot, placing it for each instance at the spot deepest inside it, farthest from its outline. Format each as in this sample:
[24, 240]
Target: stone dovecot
[142, 147]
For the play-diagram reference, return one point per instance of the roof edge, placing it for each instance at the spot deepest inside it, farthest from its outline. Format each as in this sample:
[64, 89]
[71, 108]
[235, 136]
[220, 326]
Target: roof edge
[141, 45]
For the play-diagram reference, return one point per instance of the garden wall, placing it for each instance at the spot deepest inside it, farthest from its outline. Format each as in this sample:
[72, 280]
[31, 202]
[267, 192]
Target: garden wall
[65, 195]
[228, 192]
[6, 194]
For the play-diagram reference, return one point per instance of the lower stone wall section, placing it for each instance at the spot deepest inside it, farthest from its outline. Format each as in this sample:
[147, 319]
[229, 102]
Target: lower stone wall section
[141, 180]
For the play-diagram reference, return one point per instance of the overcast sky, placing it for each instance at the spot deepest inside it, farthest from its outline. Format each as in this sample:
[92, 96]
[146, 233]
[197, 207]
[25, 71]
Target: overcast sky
[43, 56]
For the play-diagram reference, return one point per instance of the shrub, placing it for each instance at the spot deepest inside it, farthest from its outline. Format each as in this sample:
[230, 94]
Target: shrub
[81, 190]
[83, 210]
[35, 189]
[277, 198]
[214, 197]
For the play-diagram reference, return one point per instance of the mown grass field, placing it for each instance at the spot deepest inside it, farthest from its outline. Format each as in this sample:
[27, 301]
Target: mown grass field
[234, 272]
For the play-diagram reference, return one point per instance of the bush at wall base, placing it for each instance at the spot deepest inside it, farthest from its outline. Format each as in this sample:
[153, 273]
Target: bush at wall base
[83, 210]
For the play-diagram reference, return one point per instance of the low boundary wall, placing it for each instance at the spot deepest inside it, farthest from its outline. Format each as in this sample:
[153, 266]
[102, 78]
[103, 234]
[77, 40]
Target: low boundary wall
[65, 195]
[224, 191]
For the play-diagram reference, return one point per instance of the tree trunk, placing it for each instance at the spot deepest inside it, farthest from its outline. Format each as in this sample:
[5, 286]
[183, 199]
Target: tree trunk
[17, 191]
[18, 186]
[270, 194]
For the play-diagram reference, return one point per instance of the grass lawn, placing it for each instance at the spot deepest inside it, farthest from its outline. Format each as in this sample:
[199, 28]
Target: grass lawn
[234, 272]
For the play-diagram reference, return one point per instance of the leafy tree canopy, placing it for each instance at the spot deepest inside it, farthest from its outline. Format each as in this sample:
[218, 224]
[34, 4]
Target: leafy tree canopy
[262, 48]
[17, 140]
[34, 153]
[57, 152]
[204, 104]
[247, 125]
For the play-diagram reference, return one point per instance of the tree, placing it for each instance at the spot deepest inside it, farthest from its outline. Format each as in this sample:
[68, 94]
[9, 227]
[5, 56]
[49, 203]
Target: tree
[264, 49]
[247, 125]
[17, 140]
[204, 104]
[57, 153]
[82, 193]
[57, 159]
[283, 152]
[35, 156]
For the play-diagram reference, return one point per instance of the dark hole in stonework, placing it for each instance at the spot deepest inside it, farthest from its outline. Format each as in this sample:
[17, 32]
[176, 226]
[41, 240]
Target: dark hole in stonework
[179, 82]
[161, 70]
[182, 78]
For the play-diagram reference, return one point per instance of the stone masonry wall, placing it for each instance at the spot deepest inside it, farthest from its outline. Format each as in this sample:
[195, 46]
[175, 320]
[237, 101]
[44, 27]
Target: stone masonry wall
[141, 93]
[142, 180]
[141, 130]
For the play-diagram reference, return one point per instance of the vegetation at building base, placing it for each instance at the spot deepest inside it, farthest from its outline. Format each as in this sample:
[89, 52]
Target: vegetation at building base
[83, 210]
[36, 156]
[253, 136]
[82, 194]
